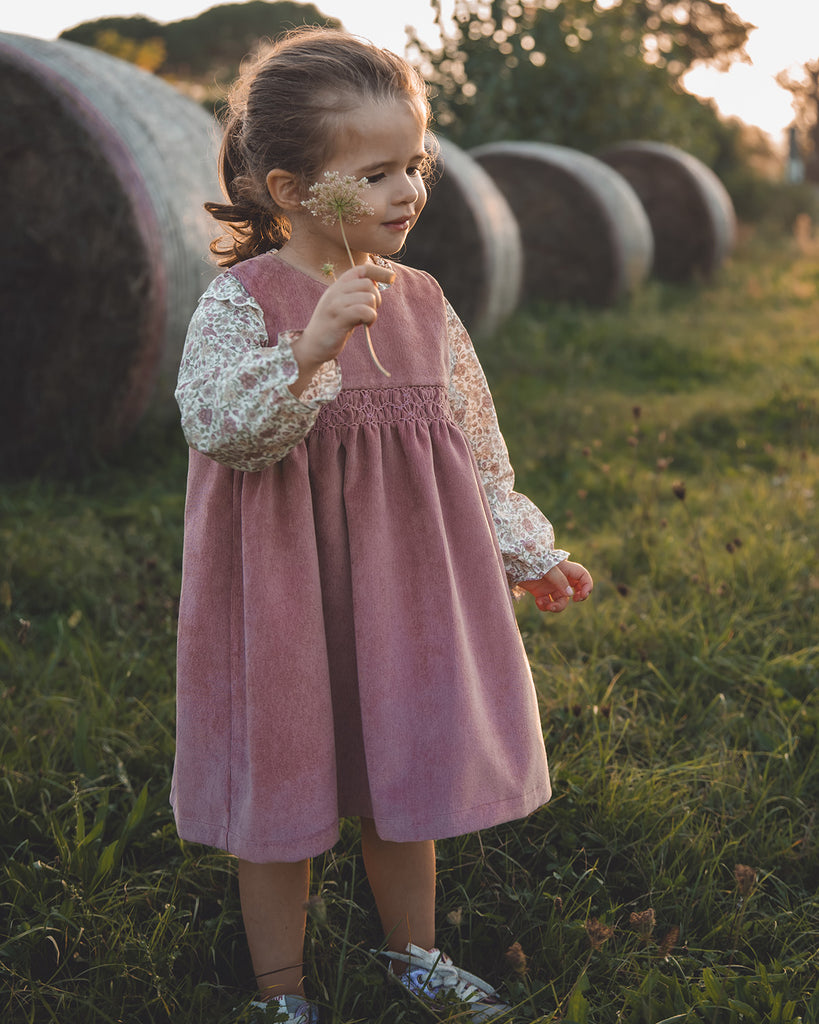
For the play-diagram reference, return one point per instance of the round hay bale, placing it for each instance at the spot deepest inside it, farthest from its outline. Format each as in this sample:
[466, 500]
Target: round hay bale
[691, 214]
[585, 235]
[105, 172]
[468, 238]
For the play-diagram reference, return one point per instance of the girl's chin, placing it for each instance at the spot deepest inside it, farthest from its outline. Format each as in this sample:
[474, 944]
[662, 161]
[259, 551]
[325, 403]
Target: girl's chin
[388, 250]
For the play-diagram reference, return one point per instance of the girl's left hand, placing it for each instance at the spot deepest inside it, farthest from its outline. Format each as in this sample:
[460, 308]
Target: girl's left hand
[568, 581]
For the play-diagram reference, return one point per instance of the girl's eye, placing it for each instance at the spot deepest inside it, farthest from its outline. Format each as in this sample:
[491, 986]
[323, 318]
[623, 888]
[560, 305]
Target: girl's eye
[373, 178]
[412, 171]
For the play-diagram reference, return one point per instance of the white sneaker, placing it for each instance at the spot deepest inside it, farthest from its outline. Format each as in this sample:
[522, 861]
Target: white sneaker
[285, 1010]
[433, 977]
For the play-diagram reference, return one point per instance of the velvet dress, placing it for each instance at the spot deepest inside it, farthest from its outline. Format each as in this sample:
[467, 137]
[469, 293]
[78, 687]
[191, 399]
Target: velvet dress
[347, 640]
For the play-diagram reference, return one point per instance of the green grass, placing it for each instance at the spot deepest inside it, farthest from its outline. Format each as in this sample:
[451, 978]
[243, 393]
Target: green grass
[673, 442]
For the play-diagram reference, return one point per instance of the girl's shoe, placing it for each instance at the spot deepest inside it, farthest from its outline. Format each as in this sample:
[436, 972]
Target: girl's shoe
[433, 977]
[285, 1010]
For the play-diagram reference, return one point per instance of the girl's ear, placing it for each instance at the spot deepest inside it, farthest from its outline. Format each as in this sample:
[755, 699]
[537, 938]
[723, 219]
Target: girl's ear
[284, 188]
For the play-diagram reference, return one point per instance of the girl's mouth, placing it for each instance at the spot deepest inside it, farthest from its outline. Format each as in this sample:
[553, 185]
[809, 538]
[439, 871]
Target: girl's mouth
[401, 224]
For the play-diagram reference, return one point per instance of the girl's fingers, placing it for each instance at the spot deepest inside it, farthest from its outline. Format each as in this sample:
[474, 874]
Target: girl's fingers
[363, 315]
[369, 299]
[373, 272]
[360, 289]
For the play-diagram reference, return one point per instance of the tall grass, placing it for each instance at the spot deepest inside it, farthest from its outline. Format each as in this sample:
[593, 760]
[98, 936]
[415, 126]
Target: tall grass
[674, 875]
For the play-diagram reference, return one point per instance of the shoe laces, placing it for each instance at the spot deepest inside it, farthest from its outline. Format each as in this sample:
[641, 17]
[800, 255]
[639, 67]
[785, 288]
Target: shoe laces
[432, 972]
[289, 1009]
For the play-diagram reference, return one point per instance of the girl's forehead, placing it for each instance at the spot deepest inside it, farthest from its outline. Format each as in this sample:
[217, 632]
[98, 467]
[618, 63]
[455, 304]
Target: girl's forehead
[393, 129]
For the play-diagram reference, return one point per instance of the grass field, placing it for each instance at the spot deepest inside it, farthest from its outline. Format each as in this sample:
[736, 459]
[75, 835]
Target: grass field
[674, 443]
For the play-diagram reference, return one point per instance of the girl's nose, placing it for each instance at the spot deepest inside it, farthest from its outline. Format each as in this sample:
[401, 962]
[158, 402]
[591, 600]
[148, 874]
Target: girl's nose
[410, 190]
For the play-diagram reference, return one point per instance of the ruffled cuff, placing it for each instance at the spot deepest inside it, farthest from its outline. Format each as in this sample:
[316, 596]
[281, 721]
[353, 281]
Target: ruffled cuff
[533, 566]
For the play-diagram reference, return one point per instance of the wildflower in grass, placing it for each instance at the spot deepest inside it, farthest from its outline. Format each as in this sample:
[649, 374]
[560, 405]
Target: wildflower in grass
[516, 958]
[663, 464]
[678, 489]
[643, 923]
[598, 932]
[337, 199]
[669, 941]
[622, 589]
[745, 878]
[455, 917]
[316, 909]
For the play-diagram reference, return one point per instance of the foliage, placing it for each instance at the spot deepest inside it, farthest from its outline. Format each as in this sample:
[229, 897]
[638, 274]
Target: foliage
[148, 54]
[751, 171]
[215, 41]
[675, 34]
[805, 92]
[759, 200]
[576, 75]
[673, 877]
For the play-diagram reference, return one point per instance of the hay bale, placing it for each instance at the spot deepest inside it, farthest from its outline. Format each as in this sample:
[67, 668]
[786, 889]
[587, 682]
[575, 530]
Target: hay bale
[585, 235]
[691, 214]
[468, 239]
[105, 172]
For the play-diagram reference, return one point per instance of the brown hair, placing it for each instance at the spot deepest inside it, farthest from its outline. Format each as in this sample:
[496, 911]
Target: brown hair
[280, 114]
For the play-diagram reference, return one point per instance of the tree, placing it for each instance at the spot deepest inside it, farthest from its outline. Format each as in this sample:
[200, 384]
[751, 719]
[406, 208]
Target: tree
[575, 73]
[212, 43]
[149, 53]
[676, 34]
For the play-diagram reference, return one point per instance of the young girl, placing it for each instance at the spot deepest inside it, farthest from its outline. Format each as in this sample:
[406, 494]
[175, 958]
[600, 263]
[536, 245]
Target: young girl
[347, 641]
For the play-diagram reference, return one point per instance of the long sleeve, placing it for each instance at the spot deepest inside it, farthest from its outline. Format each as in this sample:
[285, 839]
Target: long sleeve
[233, 387]
[525, 535]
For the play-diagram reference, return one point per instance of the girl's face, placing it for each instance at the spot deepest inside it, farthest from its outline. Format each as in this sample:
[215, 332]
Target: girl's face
[382, 141]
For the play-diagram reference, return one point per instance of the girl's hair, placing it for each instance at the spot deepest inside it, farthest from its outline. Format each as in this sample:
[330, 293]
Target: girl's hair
[284, 112]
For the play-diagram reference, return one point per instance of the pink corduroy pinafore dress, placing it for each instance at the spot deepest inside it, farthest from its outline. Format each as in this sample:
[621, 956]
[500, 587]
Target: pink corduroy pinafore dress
[347, 641]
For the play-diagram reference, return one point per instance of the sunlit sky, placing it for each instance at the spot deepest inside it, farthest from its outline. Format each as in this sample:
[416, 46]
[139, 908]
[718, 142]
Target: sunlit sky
[787, 35]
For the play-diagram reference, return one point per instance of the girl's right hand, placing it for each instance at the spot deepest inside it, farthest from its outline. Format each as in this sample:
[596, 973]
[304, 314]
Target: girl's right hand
[351, 300]
[567, 581]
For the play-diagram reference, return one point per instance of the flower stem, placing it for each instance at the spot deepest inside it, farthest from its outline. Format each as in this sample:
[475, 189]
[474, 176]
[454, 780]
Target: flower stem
[375, 358]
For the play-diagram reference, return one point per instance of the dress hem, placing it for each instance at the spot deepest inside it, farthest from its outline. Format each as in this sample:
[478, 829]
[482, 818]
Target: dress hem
[392, 830]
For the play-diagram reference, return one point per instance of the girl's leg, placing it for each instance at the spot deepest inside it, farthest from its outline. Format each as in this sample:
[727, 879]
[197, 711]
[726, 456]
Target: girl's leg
[273, 898]
[402, 878]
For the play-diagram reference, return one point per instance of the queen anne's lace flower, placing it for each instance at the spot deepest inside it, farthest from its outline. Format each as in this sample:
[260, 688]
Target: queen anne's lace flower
[339, 198]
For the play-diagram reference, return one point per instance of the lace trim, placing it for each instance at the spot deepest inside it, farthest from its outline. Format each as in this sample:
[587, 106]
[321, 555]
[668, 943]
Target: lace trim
[355, 407]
